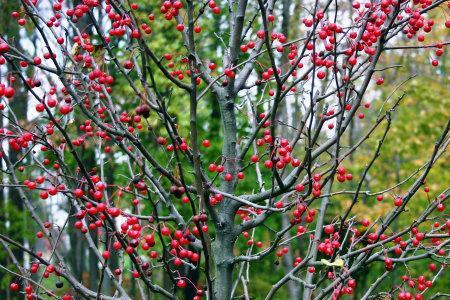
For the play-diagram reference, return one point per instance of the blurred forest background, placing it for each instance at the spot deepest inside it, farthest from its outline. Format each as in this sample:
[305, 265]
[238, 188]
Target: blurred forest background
[415, 127]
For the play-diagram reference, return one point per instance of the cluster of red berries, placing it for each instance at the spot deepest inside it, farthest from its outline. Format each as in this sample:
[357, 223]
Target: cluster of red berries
[281, 157]
[329, 245]
[343, 289]
[342, 175]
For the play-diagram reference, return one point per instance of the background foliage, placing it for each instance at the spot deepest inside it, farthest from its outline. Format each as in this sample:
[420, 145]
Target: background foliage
[427, 96]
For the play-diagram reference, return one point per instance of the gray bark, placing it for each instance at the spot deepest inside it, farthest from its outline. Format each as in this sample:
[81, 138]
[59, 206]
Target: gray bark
[222, 247]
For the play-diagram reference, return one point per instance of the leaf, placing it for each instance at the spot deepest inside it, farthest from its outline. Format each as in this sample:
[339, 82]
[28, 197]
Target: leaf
[75, 50]
[338, 262]
[99, 54]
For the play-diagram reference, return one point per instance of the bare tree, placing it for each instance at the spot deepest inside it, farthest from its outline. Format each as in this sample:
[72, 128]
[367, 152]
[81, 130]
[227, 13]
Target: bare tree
[319, 75]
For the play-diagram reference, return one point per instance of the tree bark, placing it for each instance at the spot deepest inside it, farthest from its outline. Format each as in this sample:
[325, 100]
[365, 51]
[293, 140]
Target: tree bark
[222, 247]
[16, 215]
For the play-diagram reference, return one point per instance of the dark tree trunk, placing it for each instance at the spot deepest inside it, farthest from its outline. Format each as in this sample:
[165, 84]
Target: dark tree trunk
[11, 203]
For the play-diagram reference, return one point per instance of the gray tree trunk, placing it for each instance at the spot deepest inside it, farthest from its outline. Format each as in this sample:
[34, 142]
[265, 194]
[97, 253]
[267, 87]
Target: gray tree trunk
[222, 247]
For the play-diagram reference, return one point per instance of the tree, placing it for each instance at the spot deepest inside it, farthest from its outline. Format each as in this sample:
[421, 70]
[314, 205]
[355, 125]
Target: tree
[198, 210]
[10, 203]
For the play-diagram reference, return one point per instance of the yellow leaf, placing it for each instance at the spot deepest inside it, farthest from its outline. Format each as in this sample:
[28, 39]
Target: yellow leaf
[75, 50]
[99, 54]
[338, 262]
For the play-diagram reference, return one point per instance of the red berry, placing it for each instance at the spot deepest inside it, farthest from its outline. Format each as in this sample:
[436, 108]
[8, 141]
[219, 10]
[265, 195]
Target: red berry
[299, 187]
[106, 254]
[14, 287]
[321, 74]
[78, 193]
[9, 92]
[180, 27]
[40, 107]
[206, 143]
[165, 231]
[398, 201]
[4, 47]
[128, 64]
[254, 158]
[37, 60]
[181, 284]
[329, 229]
[65, 109]
[268, 164]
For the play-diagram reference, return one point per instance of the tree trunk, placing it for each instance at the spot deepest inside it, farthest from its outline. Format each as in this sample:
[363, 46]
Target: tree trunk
[15, 213]
[113, 262]
[222, 247]
[93, 264]
[288, 260]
